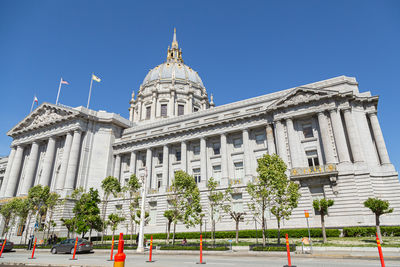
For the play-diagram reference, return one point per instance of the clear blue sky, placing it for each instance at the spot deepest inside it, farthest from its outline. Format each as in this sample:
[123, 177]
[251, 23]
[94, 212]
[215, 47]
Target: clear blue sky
[240, 49]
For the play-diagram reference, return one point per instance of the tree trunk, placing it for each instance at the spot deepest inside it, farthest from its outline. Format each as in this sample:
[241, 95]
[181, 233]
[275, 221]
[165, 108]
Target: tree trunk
[90, 235]
[213, 231]
[263, 227]
[173, 236]
[378, 228]
[168, 231]
[279, 229]
[132, 231]
[323, 227]
[237, 229]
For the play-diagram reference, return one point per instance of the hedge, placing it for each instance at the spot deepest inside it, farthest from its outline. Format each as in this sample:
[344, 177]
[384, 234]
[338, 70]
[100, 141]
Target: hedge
[370, 231]
[193, 248]
[273, 249]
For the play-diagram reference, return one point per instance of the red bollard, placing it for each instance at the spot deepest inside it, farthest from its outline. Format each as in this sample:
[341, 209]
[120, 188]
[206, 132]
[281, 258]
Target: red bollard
[119, 258]
[76, 244]
[112, 249]
[380, 250]
[33, 251]
[201, 251]
[151, 249]
[288, 253]
[2, 247]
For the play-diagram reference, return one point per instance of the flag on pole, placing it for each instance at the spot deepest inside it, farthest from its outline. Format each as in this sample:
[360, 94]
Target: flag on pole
[64, 82]
[36, 100]
[95, 78]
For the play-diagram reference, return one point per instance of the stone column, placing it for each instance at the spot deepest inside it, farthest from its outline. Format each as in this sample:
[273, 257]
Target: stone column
[64, 162]
[30, 168]
[139, 105]
[165, 168]
[132, 164]
[184, 156]
[8, 169]
[149, 158]
[293, 144]
[117, 167]
[203, 162]
[353, 136]
[190, 103]
[246, 155]
[224, 161]
[340, 138]
[270, 139]
[326, 139]
[153, 107]
[47, 170]
[379, 141]
[171, 104]
[73, 162]
[14, 173]
[281, 141]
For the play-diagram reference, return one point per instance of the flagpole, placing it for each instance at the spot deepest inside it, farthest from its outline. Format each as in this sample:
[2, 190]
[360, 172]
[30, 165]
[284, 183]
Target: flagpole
[33, 102]
[59, 88]
[90, 90]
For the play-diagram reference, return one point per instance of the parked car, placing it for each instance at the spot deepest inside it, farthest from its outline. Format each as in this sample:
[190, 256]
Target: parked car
[67, 246]
[8, 246]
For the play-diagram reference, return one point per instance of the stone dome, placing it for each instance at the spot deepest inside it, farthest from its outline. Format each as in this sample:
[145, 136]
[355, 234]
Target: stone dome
[173, 70]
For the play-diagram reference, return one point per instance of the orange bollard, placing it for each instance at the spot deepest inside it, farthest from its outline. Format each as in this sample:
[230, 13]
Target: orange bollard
[33, 250]
[2, 247]
[288, 253]
[378, 242]
[112, 249]
[151, 249]
[76, 244]
[201, 251]
[119, 258]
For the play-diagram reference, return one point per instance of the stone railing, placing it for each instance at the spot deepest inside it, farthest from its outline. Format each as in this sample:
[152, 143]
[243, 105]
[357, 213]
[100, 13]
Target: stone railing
[151, 191]
[323, 169]
[236, 181]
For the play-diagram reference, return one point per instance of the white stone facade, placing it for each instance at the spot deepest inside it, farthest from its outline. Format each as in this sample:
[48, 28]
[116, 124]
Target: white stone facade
[327, 133]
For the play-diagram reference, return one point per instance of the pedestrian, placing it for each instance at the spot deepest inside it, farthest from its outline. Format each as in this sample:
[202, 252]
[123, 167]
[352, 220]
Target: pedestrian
[184, 241]
[30, 242]
[55, 239]
[50, 240]
[137, 239]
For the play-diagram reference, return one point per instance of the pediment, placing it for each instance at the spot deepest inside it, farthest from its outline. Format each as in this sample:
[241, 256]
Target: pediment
[44, 115]
[302, 95]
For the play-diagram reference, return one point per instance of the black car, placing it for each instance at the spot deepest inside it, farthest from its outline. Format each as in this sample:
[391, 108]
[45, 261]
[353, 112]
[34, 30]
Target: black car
[8, 246]
[67, 246]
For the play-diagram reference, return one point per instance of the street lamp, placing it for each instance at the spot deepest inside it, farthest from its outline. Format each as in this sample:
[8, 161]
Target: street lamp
[140, 247]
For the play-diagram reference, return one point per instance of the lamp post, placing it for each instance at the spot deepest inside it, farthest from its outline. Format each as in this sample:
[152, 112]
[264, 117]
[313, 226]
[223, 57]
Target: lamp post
[140, 247]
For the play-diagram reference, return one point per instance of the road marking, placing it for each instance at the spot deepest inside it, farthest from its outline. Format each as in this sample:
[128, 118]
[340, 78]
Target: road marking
[211, 263]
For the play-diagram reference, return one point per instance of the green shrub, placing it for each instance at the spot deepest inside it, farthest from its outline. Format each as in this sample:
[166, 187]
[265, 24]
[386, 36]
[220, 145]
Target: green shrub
[370, 231]
[192, 248]
[292, 248]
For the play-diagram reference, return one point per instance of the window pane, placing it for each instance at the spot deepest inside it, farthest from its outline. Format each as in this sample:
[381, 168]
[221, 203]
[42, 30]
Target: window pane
[307, 131]
[160, 158]
[237, 142]
[181, 109]
[164, 110]
[178, 155]
[196, 150]
[216, 148]
[148, 112]
[259, 138]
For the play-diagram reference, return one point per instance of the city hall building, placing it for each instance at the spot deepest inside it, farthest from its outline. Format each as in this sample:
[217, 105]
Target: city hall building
[327, 133]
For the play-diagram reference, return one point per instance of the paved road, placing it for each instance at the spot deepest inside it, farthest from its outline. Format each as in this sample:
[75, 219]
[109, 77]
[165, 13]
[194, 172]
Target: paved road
[100, 259]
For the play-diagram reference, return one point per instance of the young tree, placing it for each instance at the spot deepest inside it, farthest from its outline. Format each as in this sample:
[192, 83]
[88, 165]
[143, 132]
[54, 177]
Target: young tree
[87, 213]
[237, 217]
[114, 220]
[38, 196]
[218, 200]
[172, 217]
[132, 187]
[185, 199]
[110, 186]
[378, 207]
[8, 212]
[52, 201]
[322, 205]
[23, 208]
[285, 194]
[69, 224]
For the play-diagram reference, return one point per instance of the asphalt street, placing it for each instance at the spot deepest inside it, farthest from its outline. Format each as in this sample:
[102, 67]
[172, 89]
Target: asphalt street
[100, 259]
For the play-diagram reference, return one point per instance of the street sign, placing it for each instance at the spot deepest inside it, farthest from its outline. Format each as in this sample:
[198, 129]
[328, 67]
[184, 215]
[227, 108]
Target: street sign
[306, 214]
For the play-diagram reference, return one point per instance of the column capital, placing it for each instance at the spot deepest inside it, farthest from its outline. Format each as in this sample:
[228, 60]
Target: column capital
[372, 113]
[346, 109]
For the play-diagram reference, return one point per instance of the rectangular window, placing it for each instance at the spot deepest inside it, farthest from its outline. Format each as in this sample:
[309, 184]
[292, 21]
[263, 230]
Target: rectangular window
[307, 130]
[216, 148]
[159, 180]
[143, 161]
[238, 170]
[196, 150]
[237, 142]
[217, 172]
[317, 192]
[237, 202]
[178, 155]
[164, 110]
[260, 139]
[160, 158]
[196, 175]
[148, 112]
[181, 110]
[312, 157]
